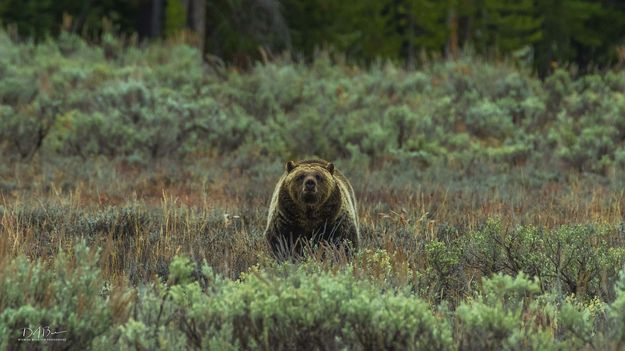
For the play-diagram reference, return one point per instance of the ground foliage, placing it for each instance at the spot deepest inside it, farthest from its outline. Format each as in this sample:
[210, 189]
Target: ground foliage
[134, 184]
[68, 98]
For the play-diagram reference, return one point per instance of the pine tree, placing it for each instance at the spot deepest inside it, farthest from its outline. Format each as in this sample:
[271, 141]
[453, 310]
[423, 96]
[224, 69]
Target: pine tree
[506, 25]
[356, 28]
[565, 28]
[405, 28]
[175, 17]
[236, 29]
[420, 25]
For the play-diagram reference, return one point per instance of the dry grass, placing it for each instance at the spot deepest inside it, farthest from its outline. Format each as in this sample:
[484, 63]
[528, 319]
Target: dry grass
[142, 217]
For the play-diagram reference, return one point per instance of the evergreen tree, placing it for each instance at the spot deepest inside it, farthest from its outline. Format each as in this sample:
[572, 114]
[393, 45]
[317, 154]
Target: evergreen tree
[565, 29]
[355, 28]
[40, 18]
[552, 32]
[506, 25]
[237, 29]
[175, 17]
[419, 25]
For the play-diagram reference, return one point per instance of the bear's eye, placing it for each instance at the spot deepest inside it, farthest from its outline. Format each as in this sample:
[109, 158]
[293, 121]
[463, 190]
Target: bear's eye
[318, 177]
[300, 177]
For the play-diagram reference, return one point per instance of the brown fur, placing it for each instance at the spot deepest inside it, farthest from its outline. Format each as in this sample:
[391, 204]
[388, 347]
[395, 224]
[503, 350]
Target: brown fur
[298, 217]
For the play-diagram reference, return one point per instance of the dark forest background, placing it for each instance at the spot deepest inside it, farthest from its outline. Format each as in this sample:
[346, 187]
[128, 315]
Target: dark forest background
[541, 34]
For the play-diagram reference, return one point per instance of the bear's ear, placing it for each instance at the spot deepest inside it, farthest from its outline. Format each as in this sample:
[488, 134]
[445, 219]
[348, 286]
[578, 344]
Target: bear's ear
[330, 167]
[289, 166]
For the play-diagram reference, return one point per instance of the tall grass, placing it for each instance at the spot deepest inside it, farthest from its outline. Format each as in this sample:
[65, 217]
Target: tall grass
[134, 186]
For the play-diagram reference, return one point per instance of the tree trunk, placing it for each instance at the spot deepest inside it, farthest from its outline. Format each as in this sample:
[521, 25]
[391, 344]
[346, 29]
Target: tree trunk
[196, 19]
[156, 18]
[411, 54]
[452, 22]
[150, 21]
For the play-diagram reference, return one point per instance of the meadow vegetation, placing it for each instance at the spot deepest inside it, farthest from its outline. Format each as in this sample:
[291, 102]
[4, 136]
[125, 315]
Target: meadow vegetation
[135, 180]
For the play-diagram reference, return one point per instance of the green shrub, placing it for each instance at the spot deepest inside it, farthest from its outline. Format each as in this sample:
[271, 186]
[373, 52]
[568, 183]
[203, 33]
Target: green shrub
[70, 98]
[68, 296]
[443, 270]
[616, 312]
[488, 120]
[510, 314]
[286, 309]
[369, 303]
[570, 259]
[495, 319]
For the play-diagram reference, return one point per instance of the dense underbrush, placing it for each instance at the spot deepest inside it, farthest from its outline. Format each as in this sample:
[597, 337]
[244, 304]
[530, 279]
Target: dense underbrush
[441, 267]
[358, 306]
[145, 102]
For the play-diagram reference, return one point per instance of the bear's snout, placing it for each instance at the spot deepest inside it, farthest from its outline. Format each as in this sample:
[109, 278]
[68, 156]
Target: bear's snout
[310, 184]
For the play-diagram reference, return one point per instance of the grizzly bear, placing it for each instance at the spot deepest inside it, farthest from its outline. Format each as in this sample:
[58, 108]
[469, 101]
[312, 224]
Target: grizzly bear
[312, 203]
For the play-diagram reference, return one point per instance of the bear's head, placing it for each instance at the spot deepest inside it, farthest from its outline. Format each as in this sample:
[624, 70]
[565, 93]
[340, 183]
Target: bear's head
[310, 183]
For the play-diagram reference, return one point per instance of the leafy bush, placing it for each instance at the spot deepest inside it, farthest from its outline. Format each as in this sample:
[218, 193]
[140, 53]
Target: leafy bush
[510, 314]
[68, 296]
[363, 305]
[67, 97]
[287, 309]
[570, 259]
[589, 125]
[616, 312]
